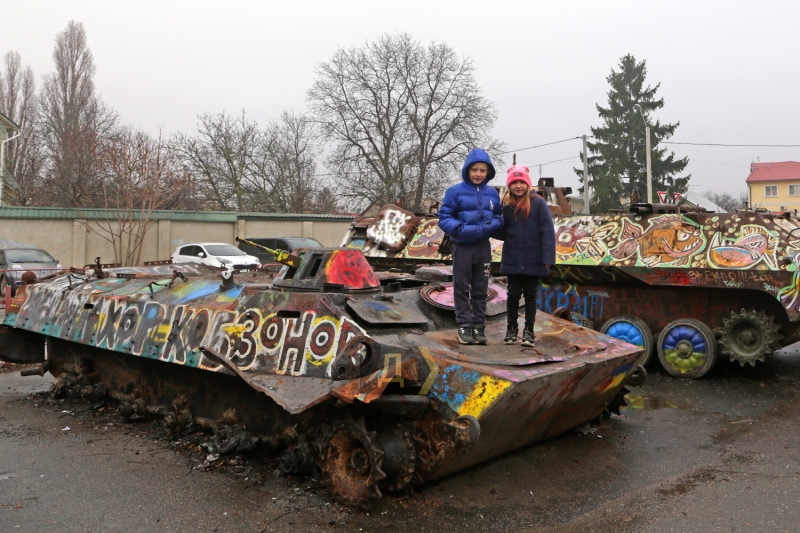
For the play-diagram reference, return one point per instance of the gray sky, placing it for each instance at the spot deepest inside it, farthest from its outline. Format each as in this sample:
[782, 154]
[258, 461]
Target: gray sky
[729, 70]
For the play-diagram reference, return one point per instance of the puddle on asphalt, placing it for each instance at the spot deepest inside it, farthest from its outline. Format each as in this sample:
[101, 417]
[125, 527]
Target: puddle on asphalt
[645, 402]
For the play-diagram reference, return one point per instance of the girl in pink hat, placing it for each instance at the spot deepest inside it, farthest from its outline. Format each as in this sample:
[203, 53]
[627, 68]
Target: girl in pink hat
[529, 249]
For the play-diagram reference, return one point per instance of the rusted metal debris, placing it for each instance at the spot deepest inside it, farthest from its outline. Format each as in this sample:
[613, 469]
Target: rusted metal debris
[339, 368]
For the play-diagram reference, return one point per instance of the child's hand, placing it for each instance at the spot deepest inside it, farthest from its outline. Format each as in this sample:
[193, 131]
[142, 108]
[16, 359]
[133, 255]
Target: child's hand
[548, 266]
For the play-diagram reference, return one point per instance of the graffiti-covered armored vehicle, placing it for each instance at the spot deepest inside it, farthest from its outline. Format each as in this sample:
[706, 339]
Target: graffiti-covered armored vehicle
[347, 370]
[676, 280]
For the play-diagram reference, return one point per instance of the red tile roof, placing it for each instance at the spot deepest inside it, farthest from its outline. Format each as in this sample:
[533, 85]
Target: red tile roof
[785, 170]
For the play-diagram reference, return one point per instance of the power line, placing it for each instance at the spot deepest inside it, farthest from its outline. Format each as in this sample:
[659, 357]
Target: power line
[694, 160]
[737, 145]
[555, 161]
[540, 145]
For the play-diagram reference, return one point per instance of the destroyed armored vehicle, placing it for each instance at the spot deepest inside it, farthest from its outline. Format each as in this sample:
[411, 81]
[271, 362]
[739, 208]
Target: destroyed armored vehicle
[686, 284]
[337, 367]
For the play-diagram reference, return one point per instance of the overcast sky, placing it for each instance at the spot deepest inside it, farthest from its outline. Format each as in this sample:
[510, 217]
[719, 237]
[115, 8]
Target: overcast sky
[729, 70]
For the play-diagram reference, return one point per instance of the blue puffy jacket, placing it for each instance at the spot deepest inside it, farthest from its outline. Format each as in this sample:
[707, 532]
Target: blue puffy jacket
[471, 213]
[530, 244]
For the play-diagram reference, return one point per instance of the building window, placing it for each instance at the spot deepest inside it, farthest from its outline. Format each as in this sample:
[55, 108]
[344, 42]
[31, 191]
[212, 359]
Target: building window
[794, 190]
[771, 190]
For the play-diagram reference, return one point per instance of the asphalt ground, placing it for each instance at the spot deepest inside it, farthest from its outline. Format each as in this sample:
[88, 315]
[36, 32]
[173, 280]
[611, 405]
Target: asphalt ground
[717, 454]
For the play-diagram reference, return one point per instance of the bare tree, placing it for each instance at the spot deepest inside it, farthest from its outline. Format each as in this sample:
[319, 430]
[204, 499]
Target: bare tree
[73, 122]
[220, 156]
[448, 115]
[18, 102]
[243, 167]
[727, 201]
[402, 117]
[284, 167]
[138, 175]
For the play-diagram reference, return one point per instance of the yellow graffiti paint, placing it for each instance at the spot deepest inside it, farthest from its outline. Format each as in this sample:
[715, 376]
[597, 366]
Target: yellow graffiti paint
[614, 382]
[432, 366]
[398, 370]
[320, 360]
[234, 330]
[486, 392]
[162, 331]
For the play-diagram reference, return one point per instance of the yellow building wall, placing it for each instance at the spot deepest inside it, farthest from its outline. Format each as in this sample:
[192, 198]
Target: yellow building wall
[781, 202]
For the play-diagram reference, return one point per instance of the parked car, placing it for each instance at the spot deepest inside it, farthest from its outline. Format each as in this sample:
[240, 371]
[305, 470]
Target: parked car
[16, 261]
[287, 244]
[215, 254]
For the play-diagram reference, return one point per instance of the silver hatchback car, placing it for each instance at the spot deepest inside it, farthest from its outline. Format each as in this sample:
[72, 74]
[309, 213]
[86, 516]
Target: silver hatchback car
[16, 261]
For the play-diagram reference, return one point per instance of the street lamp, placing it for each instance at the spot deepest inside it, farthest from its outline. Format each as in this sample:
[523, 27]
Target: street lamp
[647, 147]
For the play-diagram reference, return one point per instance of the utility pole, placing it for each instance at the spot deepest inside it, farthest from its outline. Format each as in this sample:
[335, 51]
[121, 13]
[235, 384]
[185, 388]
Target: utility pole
[649, 167]
[647, 155]
[585, 177]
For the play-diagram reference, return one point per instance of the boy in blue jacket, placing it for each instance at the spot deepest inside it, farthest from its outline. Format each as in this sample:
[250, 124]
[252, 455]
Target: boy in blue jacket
[470, 214]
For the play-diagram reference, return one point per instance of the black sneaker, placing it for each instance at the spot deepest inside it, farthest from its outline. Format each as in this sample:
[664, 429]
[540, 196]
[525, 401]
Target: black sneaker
[511, 336]
[478, 336]
[527, 338]
[465, 335]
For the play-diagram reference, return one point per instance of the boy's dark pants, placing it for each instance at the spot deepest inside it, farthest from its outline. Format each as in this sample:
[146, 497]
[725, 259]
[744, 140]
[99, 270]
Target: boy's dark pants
[471, 265]
[519, 284]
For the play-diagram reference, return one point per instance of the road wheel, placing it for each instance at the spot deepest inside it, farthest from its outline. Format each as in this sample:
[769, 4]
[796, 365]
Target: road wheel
[350, 461]
[687, 348]
[632, 330]
[749, 336]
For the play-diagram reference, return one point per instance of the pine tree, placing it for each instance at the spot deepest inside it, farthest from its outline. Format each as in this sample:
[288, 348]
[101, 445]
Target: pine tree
[618, 151]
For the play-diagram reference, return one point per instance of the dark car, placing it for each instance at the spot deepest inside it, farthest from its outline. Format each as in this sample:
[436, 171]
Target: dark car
[287, 244]
[16, 261]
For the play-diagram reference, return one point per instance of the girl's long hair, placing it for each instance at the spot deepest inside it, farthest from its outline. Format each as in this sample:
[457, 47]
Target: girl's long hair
[522, 207]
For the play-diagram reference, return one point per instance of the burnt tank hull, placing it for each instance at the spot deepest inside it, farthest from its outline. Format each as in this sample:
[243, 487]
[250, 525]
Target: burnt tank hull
[329, 363]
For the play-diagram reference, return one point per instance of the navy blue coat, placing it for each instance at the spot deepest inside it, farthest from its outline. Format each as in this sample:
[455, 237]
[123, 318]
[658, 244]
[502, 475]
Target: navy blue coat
[471, 213]
[529, 244]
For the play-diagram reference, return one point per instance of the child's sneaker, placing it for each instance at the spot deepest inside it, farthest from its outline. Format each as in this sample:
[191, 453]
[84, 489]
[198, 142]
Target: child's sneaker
[479, 336]
[528, 338]
[511, 335]
[465, 335]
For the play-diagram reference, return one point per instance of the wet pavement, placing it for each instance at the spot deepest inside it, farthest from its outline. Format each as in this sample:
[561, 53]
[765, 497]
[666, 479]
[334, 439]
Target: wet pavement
[718, 454]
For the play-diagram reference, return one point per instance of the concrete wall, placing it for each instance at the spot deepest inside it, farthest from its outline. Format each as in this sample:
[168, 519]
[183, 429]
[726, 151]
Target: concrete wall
[73, 244]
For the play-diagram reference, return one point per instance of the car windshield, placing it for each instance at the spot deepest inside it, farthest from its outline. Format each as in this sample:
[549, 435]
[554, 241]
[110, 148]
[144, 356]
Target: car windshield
[223, 250]
[304, 243]
[28, 256]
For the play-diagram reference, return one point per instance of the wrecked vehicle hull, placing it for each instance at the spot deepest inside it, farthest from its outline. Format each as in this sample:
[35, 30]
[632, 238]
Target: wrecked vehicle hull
[686, 285]
[333, 367]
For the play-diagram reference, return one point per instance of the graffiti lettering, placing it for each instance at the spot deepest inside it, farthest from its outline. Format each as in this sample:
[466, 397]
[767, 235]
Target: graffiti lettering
[174, 333]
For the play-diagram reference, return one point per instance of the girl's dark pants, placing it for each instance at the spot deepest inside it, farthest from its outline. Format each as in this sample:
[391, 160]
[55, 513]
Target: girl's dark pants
[471, 266]
[519, 284]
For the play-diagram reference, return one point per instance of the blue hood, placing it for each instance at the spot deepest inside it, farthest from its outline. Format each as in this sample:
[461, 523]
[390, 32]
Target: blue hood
[477, 155]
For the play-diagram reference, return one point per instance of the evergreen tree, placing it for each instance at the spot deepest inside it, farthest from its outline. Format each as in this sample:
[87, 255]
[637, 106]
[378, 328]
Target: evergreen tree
[618, 152]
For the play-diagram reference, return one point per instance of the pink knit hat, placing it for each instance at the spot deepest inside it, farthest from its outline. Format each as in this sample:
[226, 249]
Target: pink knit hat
[518, 173]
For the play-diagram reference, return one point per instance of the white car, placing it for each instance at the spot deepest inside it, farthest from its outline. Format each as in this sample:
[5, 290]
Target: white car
[215, 254]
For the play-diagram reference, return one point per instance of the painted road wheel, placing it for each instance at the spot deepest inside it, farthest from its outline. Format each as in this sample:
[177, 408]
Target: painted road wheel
[632, 330]
[687, 348]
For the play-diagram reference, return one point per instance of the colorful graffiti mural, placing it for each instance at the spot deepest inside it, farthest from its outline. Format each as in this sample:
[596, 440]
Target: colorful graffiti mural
[663, 263]
[293, 343]
[425, 242]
